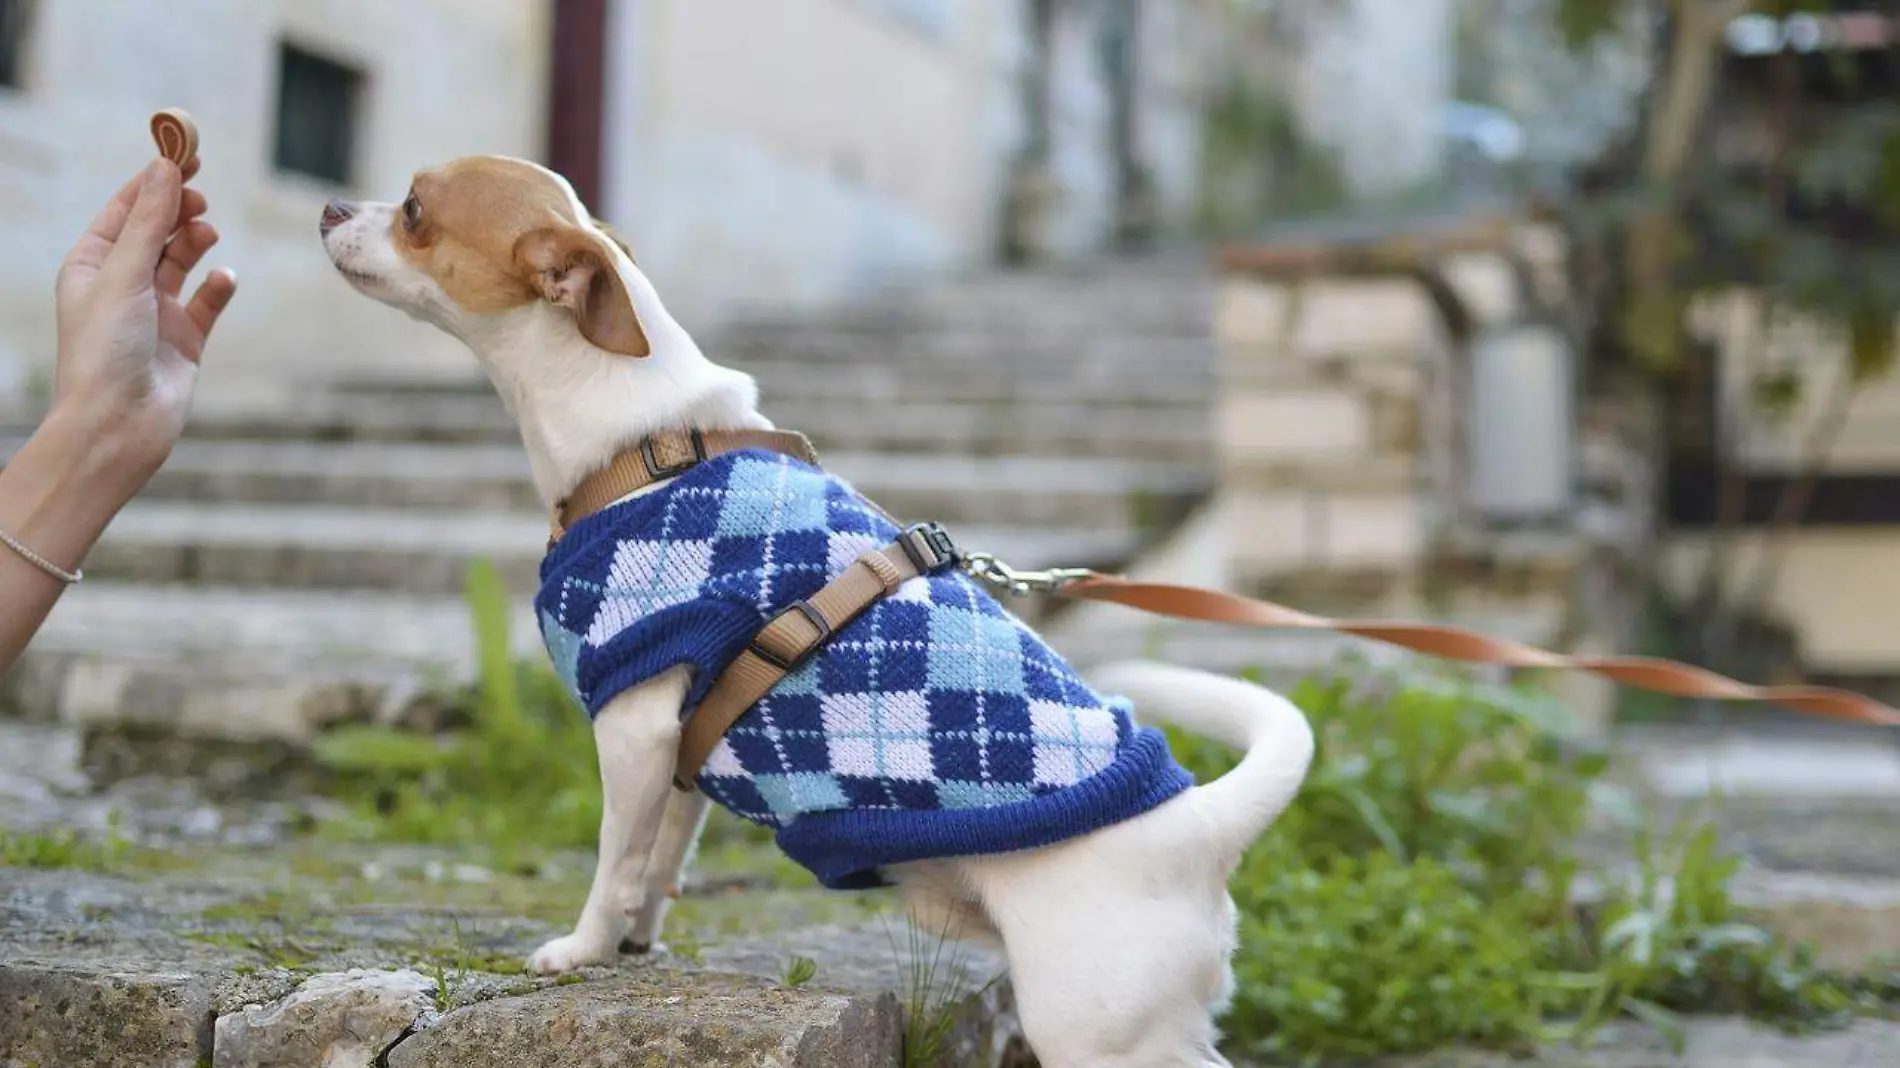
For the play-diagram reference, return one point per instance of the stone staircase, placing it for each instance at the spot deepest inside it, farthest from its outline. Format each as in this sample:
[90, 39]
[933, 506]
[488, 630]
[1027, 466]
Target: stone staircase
[290, 569]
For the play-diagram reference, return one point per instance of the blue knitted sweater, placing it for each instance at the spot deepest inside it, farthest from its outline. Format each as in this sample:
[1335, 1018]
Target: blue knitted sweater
[933, 725]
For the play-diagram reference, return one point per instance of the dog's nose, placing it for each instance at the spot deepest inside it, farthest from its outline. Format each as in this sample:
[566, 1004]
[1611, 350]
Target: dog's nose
[335, 214]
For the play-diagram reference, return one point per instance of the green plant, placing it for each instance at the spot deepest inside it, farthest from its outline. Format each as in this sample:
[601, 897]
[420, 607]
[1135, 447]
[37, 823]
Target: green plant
[1420, 891]
[63, 848]
[518, 777]
[936, 990]
[799, 971]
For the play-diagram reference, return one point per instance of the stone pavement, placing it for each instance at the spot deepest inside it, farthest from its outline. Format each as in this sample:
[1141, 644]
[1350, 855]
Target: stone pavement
[226, 935]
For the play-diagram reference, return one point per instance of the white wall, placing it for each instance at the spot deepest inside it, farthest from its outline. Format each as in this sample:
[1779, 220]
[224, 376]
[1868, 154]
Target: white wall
[1373, 80]
[774, 152]
[445, 78]
[789, 150]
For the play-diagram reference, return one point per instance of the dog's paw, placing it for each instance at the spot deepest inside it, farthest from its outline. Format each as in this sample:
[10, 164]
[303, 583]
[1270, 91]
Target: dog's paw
[634, 947]
[568, 953]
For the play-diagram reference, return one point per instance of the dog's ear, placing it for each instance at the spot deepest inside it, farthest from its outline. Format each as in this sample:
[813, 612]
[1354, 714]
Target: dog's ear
[575, 269]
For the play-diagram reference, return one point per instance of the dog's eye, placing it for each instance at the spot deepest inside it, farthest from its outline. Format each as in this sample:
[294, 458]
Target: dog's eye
[412, 212]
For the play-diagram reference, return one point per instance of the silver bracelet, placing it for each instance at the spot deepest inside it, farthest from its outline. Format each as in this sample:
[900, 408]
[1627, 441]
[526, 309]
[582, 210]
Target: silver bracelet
[70, 578]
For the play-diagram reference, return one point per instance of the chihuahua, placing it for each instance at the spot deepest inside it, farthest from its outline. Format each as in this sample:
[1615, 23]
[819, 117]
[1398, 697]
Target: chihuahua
[1118, 931]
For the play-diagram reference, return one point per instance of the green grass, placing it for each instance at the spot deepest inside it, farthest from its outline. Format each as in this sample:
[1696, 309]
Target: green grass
[1418, 893]
[518, 779]
[64, 848]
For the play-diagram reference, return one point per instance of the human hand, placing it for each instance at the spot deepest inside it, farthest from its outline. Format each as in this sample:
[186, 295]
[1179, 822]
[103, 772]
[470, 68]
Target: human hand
[128, 345]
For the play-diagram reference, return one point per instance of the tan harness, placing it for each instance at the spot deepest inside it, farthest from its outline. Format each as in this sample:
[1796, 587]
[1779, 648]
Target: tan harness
[801, 629]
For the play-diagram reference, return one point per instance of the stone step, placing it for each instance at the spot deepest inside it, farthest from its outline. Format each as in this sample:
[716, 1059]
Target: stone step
[269, 627]
[968, 350]
[1186, 386]
[1047, 425]
[1020, 428]
[316, 546]
[1005, 358]
[362, 474]
[491, 482]
[427, 552]
[436, 414]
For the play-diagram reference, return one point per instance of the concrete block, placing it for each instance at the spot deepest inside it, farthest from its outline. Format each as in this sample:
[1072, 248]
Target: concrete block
[1365, 318]
[1295, 425]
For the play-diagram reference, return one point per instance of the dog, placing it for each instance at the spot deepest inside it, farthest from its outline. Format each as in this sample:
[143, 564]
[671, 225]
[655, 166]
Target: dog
[1118, 939]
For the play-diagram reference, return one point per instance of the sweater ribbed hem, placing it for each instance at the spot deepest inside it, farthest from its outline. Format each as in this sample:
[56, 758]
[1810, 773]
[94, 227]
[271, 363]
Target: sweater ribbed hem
[716, 637]
[847, 850]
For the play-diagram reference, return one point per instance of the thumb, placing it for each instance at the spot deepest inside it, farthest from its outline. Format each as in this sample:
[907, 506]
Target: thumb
[153, 218]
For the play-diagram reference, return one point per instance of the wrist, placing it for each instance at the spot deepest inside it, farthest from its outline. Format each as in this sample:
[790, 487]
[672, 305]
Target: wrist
[58, 493]
[105, 449]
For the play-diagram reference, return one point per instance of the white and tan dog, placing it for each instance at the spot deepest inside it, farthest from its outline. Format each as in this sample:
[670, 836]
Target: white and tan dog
[1118, 941]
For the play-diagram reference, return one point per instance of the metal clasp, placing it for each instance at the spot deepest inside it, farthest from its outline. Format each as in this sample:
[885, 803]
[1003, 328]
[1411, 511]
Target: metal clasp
[929, 547]
[986, 567]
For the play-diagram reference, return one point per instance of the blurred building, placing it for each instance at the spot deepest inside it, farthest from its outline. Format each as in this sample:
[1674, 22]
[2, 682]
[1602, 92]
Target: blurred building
[755, 151]
[1841, 568]
[296, 102]
[793, 150]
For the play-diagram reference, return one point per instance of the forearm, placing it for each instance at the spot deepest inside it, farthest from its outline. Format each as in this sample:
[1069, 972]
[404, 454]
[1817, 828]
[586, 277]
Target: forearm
[56, 497]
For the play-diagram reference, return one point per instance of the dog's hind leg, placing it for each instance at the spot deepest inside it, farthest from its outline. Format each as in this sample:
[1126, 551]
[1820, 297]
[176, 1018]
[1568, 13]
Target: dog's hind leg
[1118, 947]
[679, 836]
[637, 736]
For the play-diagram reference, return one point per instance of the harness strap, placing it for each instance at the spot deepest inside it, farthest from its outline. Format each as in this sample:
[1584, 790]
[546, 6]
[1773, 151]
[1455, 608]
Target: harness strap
[799, 631]
[661, 455]
[1456, 643]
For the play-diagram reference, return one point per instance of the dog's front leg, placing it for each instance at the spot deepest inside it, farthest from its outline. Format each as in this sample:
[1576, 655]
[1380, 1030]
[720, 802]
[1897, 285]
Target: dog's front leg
[685, 818]
[637, 736]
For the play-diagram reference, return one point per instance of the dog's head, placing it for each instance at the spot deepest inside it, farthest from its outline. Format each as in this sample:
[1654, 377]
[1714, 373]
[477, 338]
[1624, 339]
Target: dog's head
[487, 239]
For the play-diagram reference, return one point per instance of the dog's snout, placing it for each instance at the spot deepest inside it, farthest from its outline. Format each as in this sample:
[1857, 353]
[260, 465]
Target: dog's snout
[335, 214]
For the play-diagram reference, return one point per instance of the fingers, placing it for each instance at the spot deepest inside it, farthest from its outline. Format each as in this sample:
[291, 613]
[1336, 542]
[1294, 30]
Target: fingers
[211, 299]
[106, 227]
[111, 218]
[149, 224]
[193, 240]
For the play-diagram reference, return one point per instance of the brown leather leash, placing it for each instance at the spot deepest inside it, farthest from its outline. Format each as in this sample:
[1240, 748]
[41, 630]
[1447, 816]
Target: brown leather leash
[1456, 643]
[792, 636]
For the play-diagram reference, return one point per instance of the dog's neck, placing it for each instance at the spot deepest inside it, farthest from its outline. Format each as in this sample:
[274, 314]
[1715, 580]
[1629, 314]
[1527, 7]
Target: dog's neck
[579, 406]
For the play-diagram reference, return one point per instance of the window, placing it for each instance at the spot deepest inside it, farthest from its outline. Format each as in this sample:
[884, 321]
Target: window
[16, 19]
[316, 116]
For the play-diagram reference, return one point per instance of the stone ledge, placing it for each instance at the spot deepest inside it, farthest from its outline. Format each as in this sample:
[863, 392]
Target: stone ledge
[183, 970]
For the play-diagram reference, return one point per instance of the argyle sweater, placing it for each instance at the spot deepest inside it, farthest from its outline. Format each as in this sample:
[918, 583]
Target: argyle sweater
[935, 724]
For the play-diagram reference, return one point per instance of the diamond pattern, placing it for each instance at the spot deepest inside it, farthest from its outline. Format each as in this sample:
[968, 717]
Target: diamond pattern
[936, 698]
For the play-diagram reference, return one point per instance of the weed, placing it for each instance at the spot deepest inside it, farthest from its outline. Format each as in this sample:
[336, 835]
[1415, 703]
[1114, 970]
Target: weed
[452, 966]
[936, 990]
[64, 848]
[1419, 892]
[799, 971]
[520, 779]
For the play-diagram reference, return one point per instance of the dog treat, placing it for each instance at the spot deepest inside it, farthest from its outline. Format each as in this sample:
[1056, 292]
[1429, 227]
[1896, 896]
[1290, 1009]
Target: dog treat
[176, 134]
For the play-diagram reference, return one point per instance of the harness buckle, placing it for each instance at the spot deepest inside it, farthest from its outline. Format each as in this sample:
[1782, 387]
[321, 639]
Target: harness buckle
[930, 548]
[813, 616]
[657, 472]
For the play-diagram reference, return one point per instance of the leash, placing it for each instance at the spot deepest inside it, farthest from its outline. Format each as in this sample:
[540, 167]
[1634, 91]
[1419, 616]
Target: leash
[1438, 640]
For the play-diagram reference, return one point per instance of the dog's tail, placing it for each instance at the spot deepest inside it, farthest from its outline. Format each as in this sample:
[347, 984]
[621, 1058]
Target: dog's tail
[1269, 730]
